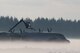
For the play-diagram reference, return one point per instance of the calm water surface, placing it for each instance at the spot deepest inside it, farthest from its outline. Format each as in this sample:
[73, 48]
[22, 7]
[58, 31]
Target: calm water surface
[39, 47]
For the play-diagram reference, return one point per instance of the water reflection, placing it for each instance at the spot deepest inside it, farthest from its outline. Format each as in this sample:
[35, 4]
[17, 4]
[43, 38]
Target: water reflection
[39, 47]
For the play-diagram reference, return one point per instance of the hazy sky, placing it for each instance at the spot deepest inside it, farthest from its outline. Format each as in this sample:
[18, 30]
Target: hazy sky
[68, 9]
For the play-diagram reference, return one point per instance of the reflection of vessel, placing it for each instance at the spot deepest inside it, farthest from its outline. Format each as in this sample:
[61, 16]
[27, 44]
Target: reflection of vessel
[37, 36]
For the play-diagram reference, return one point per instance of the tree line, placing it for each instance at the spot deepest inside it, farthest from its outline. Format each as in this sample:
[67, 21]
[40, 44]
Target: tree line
[68, 27]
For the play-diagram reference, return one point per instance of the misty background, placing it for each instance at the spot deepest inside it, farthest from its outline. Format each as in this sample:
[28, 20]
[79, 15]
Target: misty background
[68, 9]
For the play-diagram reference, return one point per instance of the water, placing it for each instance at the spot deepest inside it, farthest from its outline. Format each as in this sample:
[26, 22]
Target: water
[39, 47]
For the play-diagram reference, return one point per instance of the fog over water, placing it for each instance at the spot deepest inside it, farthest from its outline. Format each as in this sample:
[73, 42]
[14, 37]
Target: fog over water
[39, 47]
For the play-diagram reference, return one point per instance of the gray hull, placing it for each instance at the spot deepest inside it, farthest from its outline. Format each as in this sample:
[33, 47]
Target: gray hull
[34, 36]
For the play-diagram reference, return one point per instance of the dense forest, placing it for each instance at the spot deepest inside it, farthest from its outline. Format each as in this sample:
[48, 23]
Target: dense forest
[67, 27]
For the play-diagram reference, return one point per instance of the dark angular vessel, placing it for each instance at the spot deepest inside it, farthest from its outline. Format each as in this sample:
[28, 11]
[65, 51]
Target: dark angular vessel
[32, 36]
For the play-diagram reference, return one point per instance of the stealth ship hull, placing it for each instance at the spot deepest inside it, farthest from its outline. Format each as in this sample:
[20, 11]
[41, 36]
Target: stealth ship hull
[34, 37]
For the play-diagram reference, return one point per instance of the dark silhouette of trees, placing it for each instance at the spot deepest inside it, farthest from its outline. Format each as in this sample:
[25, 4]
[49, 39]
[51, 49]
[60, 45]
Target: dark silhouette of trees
[68, 27]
